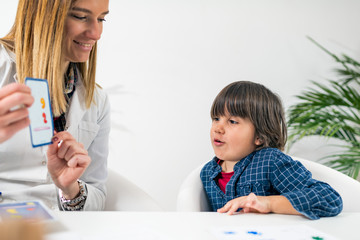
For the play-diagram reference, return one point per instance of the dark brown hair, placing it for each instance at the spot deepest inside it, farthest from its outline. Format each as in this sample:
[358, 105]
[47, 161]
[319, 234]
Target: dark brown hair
[254, 101]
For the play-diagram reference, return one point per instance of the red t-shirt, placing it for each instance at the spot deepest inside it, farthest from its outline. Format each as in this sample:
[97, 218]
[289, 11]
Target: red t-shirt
[223, 178]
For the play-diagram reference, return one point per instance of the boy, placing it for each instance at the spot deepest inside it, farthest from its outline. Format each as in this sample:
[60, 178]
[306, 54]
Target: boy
[249, 170]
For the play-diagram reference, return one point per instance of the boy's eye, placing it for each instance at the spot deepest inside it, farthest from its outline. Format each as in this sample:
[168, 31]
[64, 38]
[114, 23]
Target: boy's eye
[216, 119]
[233, 121]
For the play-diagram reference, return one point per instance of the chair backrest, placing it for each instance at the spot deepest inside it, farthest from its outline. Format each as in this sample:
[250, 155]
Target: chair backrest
[347, 187]
[192, 196]
[124, 195]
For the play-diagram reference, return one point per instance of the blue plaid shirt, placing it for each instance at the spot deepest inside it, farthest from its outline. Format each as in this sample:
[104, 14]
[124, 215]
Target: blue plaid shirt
[271, 172]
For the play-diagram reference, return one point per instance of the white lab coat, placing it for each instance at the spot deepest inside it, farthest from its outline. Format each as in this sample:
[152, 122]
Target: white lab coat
[23, 170]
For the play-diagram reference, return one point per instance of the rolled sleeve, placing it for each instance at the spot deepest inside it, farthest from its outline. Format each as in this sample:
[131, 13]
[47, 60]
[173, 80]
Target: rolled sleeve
[310, 197]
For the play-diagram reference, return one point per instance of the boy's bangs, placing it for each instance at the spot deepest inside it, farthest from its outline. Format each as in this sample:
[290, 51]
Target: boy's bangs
[229, 102]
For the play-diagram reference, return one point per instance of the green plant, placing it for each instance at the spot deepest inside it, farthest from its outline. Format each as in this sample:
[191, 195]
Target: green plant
[332, 111]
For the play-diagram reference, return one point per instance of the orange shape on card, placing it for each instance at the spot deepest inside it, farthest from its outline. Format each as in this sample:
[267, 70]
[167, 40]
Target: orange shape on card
[42, 100]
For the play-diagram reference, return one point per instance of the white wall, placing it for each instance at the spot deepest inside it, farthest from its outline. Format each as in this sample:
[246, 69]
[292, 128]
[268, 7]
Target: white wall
[163, 62]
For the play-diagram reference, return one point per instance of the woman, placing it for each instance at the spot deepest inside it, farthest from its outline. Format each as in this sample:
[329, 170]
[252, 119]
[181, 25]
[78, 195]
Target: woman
[57, 40]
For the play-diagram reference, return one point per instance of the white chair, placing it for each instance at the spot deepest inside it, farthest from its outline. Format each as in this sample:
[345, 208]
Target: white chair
[123, 195]
[347, 187]
[192, 197]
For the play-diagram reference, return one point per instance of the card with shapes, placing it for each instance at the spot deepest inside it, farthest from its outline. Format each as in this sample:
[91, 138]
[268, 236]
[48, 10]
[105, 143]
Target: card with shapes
[40, 114]
[30, 210]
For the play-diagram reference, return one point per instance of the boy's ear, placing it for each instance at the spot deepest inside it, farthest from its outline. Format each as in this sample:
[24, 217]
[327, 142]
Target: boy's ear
[258, 141]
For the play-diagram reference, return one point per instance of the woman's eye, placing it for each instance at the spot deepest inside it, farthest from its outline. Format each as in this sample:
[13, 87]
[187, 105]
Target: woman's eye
[78, 17]
[102, 20]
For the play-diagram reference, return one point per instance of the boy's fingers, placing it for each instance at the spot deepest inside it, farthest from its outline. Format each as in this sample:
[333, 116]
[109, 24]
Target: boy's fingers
[226, 207]
[252, 197]
[223, 209]
[220, 210]
[233, 209]
[246, 210]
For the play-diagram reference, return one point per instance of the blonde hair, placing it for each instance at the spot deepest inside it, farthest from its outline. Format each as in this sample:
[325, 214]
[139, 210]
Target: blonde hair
[36, 38]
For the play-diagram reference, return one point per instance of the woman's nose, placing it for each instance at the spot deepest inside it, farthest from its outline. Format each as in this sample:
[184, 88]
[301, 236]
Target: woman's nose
[94, 30]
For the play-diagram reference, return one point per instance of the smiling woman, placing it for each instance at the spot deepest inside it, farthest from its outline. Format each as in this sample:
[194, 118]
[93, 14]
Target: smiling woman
[83, 26]
[57, 40]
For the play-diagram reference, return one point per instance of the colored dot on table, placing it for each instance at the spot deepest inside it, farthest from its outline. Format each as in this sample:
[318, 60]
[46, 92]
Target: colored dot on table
[254, 233]
[317, 238]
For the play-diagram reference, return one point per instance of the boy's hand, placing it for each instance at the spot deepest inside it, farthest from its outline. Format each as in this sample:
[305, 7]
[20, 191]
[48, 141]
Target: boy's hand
[250, 203]
[259, 204]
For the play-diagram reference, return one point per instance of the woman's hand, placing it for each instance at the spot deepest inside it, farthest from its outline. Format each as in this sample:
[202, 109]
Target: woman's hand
[67, 161]
[250, 203]
[12, 121]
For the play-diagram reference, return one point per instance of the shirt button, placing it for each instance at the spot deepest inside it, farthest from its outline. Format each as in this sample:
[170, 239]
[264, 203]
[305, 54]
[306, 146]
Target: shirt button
[43, 163]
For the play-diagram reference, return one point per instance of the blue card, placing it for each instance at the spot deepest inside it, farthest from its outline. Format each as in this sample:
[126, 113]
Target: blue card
[40, 114]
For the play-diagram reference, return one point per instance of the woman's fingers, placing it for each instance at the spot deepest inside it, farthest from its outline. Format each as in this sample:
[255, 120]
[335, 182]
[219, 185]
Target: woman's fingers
[13, 96]
[10, 130]
[12, 88]
[78, 160]
[12, 123]
[67, 147]
[13, 117]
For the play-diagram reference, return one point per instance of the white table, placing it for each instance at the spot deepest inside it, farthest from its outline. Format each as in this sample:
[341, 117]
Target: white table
[189, 225]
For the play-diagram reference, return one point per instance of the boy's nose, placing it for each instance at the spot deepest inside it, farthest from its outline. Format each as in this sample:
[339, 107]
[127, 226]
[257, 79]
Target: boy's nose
[219, 128]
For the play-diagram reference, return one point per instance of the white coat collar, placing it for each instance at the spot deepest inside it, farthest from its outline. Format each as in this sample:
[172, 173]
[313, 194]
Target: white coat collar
[77, 108]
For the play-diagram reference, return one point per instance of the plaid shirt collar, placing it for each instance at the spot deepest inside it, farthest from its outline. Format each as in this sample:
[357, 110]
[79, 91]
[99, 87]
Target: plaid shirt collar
[239, 167]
